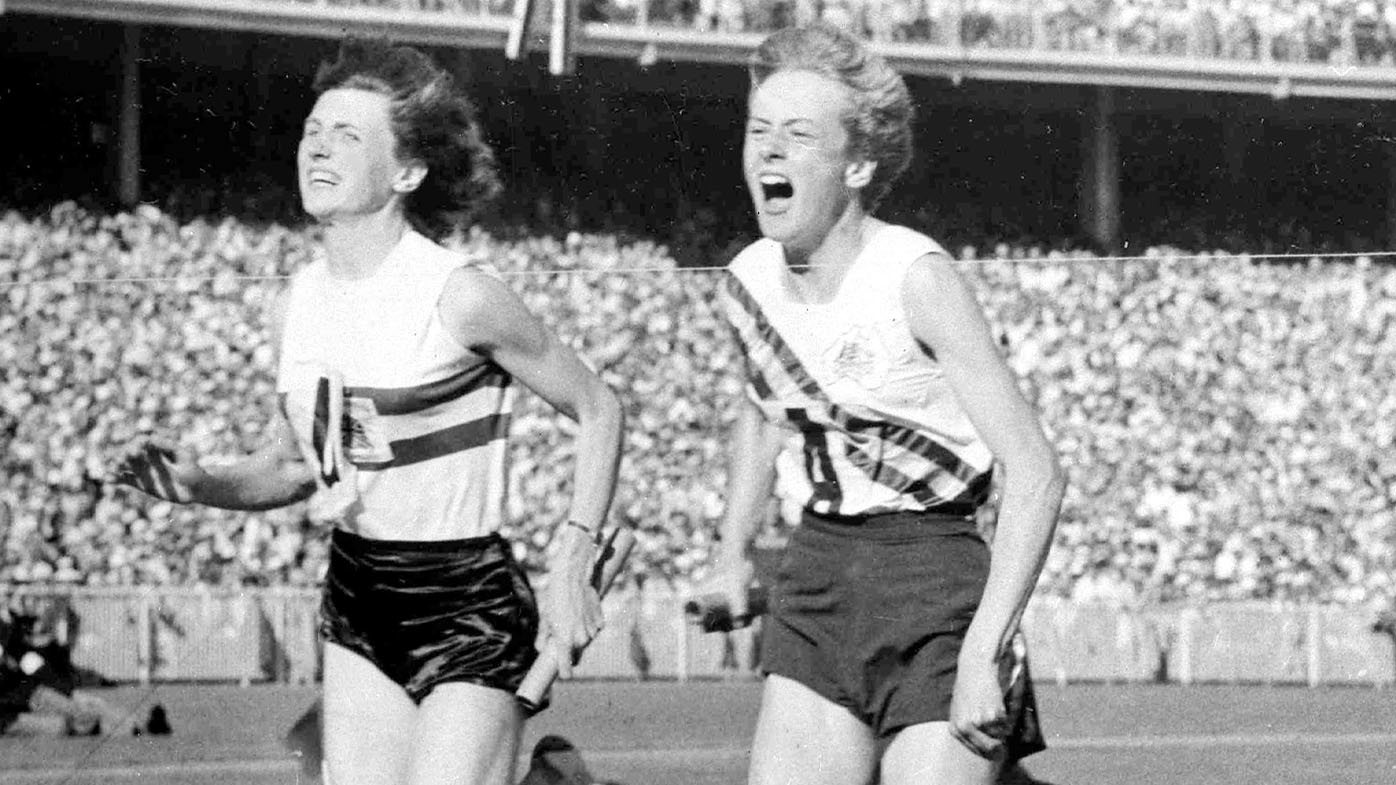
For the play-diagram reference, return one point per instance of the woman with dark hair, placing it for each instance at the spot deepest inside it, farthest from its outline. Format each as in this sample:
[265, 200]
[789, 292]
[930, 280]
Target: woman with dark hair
[877, 403]
[432, 123]
[396, 375]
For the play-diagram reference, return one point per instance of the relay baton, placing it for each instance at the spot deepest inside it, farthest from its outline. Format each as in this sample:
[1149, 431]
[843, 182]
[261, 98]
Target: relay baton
[712, 613]
[539, 679]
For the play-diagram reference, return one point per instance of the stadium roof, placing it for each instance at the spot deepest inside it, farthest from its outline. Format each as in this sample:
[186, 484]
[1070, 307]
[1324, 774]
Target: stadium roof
[320, 19]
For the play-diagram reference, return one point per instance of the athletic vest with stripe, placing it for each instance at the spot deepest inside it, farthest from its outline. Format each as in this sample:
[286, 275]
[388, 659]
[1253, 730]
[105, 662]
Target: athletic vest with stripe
[423, 422]
[873, 425]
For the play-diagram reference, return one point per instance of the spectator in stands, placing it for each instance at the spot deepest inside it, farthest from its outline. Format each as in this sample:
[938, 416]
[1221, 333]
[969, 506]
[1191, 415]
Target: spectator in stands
[1080, 334]
[1339, 31]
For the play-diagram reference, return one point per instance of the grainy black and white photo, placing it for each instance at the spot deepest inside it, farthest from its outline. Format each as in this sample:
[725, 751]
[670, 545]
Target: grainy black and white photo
[697, 392]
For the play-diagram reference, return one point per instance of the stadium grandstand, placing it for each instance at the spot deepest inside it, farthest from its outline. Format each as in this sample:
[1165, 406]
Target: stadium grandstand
[1180, 214]
[1245, 80]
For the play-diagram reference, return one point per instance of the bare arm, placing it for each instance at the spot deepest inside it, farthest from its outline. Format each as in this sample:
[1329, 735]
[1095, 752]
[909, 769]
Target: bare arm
[273, 476]
[750, 477]
[945, 316]
[485, 316]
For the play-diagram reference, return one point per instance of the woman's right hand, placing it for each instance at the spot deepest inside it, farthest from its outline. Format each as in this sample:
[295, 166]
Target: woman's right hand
[160, 469]
[731, 579]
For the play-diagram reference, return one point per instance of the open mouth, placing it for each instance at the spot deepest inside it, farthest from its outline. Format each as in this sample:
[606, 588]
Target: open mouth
[321, 177]
[776, 191]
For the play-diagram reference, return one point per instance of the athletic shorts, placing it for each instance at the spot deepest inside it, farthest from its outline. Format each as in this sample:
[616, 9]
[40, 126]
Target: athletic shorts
[870, 612]
[427, 613]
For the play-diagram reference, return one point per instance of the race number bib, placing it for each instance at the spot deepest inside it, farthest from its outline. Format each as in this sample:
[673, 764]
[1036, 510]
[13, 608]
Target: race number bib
[364, 437]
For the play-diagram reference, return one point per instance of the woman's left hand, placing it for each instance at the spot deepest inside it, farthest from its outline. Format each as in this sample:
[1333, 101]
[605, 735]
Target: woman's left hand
[571, 612]
[978, 717]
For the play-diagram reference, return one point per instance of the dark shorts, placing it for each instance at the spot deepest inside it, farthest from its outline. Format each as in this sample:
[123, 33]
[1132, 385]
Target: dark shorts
[427, 613]
[870, 613]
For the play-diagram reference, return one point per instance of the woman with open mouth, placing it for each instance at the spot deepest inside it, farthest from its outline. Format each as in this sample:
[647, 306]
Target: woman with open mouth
[878, 405]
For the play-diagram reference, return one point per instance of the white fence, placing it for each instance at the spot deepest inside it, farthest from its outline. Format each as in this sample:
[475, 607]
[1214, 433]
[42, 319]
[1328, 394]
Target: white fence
[165, 634]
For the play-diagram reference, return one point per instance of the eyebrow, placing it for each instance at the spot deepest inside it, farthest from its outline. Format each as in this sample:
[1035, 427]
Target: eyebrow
[754, 118]
[335, 126]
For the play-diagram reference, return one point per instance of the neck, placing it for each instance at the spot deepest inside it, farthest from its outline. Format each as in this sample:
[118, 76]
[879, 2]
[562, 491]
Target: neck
[355, 246]
[825, 263]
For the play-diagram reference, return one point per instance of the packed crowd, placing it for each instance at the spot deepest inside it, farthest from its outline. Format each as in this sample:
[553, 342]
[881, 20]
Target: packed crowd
[1226, 424]
[1346, 32]
[1222, 422]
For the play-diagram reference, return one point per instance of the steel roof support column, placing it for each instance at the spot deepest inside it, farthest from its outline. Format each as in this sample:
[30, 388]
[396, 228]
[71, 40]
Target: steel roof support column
[128, 141]
[1391, 198]
[1100, 176]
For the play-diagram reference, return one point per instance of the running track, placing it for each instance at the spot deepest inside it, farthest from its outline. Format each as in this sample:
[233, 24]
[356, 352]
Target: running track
[695, 734]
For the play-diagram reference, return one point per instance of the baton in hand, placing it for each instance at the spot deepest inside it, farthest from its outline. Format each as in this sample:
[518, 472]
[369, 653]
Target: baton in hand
[712, 613]
[540, 677]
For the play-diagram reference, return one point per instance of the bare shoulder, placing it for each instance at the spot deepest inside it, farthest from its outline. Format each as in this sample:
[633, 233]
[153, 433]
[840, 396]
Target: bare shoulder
[933, 277]
[471, 295]
[483, 312]
[940, 305]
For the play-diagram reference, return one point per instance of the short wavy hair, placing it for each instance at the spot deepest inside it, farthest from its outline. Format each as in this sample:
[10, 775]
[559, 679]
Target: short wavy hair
[879, 127]
[432, 121]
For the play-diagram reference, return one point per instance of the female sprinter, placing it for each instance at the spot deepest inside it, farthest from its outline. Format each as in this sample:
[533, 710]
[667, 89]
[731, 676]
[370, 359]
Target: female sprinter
[878, 400]
[396, 369]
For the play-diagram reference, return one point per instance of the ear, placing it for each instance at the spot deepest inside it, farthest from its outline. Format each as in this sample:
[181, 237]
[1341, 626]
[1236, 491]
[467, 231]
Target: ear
[409, 177]
[859, 174]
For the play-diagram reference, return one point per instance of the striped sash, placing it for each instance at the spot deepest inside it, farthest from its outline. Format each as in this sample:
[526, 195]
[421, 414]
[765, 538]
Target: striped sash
[848, 451]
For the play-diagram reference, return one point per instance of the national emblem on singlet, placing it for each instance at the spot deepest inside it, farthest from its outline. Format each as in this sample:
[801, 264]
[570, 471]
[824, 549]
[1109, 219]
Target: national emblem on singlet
[874, 426]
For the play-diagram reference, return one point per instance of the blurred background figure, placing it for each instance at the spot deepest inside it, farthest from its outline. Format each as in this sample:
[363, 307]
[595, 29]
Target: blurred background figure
[39, 686]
